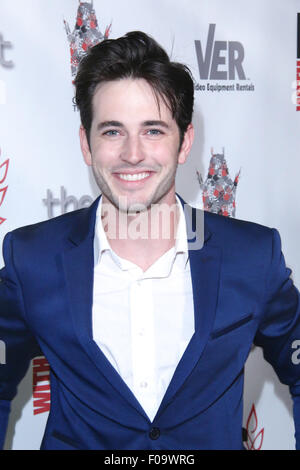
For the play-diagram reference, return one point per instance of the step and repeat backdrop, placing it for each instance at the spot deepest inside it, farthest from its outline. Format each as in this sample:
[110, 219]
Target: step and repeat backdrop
[245, 60]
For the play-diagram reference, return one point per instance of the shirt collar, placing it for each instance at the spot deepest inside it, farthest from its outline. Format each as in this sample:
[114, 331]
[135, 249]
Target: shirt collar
[101, 243]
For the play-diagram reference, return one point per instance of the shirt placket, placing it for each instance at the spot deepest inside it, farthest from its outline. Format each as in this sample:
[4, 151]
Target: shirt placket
[143, 344]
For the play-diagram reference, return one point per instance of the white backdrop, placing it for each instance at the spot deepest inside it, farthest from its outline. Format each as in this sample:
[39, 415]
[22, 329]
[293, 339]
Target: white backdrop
[42, 173]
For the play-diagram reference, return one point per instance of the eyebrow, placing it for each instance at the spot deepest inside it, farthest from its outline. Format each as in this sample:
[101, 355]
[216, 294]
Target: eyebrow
[106, 124]
[156, 123]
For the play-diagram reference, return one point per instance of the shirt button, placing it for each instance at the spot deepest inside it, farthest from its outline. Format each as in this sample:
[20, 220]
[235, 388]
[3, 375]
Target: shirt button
[144, 384]
[154, 433]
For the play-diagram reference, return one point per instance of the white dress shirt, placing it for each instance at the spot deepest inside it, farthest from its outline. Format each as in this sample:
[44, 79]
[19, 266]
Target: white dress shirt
[143, 321]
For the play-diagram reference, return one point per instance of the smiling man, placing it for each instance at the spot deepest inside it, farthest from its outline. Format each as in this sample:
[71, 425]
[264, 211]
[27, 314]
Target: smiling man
[134, 149]
[146, 330]
[134, 144]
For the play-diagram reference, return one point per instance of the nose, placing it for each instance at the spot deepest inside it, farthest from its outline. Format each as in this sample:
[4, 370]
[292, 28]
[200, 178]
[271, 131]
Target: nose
[132, 151]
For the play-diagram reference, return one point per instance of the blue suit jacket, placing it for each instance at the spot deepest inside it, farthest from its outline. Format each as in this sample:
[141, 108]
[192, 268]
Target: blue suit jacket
[243, 294]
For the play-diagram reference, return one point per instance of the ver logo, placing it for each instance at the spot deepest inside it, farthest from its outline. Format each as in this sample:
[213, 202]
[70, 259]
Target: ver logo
[211, 62]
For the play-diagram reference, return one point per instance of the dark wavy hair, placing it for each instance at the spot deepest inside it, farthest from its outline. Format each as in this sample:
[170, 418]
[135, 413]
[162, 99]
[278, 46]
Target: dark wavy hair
[135, 55]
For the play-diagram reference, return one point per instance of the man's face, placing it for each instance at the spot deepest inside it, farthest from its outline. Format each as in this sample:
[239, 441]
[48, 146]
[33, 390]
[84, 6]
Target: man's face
[134, 145]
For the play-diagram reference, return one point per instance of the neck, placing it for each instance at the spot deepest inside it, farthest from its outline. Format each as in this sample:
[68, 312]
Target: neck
[141, 237]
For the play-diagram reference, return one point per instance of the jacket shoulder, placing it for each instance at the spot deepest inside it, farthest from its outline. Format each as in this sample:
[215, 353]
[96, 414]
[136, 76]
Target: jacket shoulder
[229, 231]
[58, 226]
[54, 232]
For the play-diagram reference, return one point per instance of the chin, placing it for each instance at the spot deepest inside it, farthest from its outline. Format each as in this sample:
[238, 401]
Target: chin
[132, 207]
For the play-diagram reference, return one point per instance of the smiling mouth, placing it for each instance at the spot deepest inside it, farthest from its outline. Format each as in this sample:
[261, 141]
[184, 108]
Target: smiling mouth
[133, 176]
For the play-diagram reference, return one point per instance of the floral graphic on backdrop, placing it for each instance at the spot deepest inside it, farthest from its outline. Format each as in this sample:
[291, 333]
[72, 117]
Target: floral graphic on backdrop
[3, 186]
[254, 438]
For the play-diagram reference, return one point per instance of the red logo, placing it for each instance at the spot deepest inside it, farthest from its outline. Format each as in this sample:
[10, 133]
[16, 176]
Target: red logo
[41, 385]
[3, 188]
[254, 437]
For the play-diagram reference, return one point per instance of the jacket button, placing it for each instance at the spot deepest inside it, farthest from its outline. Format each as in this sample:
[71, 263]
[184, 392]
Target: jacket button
[154, 433]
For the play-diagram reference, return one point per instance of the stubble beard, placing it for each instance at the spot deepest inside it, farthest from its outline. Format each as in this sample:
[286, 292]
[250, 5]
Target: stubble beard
[121, 203]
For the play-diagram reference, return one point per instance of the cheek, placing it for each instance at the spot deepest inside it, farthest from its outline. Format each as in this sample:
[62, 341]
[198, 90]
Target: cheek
[171, 157]
[103, 155]
[166, 154]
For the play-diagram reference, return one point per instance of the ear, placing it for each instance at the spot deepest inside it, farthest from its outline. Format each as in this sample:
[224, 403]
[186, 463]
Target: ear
[186, 145]
[85, 148]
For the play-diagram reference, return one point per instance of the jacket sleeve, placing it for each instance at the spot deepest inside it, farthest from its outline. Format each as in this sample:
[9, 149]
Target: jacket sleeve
[17, 343]
[279, 329]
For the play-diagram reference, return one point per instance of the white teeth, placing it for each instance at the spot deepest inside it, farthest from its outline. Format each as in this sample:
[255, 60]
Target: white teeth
[135, 177]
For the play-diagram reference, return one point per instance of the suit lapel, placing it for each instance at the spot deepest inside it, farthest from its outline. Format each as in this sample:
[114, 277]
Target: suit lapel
[205, 264]
[78, 262]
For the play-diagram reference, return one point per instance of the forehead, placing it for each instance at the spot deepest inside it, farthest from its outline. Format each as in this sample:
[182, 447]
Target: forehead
[130, 98]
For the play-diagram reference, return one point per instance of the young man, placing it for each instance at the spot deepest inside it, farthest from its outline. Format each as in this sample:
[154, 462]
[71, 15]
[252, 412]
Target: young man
[146, 332]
